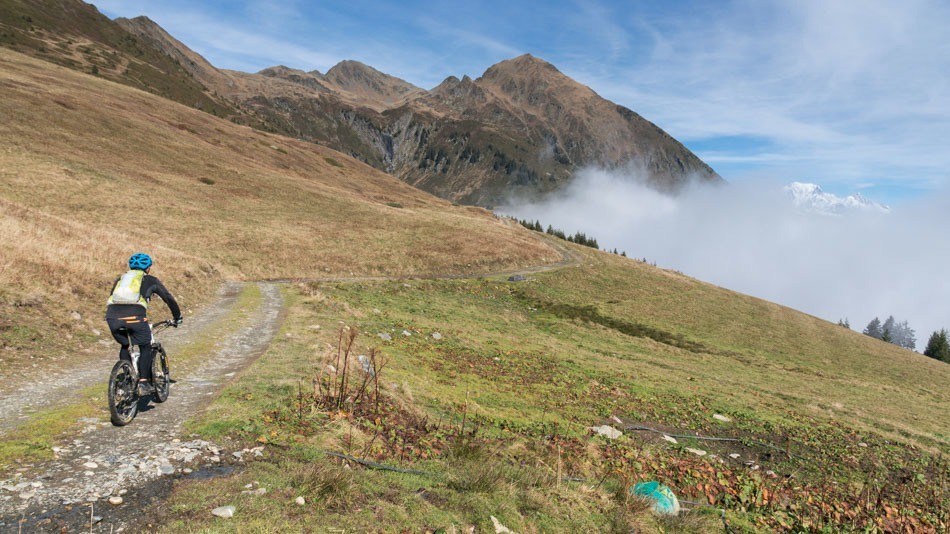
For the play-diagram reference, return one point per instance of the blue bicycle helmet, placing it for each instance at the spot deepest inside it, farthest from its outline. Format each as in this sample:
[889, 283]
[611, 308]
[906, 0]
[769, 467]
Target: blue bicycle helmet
[140, 261]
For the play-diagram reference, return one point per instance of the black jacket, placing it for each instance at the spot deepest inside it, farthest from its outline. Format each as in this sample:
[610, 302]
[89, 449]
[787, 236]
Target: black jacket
[150, 286]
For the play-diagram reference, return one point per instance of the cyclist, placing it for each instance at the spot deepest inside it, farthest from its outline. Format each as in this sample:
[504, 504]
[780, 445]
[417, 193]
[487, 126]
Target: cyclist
[126, 314]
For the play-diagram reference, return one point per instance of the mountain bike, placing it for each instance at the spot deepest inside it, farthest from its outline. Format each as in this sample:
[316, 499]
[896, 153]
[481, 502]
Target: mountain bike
[124, 380]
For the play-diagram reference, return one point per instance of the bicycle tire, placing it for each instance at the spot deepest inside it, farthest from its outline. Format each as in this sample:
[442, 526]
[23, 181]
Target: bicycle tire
[160, 375]
[123, 393]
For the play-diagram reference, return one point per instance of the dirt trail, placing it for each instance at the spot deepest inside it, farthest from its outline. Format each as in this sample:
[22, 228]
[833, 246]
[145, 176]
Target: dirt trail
[103, 461]
[25, 393]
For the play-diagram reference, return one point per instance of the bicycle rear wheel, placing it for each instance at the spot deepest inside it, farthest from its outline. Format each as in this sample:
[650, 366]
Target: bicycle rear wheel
[160, 373]
[123, 397]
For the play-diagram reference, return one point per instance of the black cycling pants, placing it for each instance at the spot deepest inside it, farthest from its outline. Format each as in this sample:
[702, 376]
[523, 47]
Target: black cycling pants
[136, 331]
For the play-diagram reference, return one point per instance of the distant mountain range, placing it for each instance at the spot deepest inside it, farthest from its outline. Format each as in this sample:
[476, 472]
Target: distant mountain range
[813, 198]
[522, 128]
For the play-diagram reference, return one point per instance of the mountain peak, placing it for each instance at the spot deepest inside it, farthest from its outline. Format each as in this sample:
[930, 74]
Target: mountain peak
[812, 198]
[369, 86]
[522, 66]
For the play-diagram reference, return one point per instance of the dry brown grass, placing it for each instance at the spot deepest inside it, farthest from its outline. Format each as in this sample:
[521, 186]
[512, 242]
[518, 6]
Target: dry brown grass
[91, 171]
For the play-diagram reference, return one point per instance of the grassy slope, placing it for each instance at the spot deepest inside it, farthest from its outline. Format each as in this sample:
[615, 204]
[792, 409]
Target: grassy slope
[91, 171]
[74, 34]
[531, 366]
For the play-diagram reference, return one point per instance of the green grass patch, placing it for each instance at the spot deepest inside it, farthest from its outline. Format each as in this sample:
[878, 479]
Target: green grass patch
[490, 389]
[34, 440]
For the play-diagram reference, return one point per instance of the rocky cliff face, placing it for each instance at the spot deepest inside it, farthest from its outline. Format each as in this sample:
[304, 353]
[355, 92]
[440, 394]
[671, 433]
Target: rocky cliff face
[522, 128]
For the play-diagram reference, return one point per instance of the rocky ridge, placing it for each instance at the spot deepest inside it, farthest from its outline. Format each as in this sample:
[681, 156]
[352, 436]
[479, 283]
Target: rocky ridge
[522, 128]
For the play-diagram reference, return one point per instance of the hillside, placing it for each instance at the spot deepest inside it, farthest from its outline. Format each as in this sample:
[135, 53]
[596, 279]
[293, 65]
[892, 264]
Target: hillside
[497, 410]
[91, 171]
[522, 128]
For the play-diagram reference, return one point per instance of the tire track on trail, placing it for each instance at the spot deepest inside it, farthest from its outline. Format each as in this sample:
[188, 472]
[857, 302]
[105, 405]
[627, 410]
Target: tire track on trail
[105, 460]
[23, 395]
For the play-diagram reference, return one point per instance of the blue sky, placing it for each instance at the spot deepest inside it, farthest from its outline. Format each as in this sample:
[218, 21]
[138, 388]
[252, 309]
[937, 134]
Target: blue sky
[852, 95]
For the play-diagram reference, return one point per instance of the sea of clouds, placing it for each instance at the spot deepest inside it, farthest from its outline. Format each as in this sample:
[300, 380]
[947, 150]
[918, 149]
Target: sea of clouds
[753, 238]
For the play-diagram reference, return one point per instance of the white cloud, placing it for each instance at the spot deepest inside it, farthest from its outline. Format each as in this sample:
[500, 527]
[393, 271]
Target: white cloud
[865, 82]
[751, 238]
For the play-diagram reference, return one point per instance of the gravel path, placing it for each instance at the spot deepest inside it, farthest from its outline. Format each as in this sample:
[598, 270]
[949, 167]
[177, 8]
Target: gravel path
[24, 393]
[106, 462]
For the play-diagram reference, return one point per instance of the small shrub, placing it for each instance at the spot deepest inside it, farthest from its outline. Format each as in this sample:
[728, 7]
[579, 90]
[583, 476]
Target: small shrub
[332, 161]
[331, 485]
[394, 204]
[206, 180]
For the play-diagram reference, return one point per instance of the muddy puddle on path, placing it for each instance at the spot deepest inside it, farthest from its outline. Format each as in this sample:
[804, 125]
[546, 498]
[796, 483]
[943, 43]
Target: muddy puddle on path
[101, 516]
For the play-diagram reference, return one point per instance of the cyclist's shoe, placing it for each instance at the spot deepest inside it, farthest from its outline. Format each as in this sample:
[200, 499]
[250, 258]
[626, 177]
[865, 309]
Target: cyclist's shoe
[146, 388]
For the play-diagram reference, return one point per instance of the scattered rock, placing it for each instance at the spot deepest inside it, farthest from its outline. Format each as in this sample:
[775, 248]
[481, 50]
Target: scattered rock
[385, 337]
[607, 431]
[258, 492]
[406, 333]
[376, 311]
[300, 500]
[862, 444]
[771, 474]
[90, 465]
[238, 455]
[115, 501]
[517, 278]
[223, 511]
[697, 452]
[186, 471]
[366, 365]
[723, 418]
[75, 316]
[436, 336]
[167, 469]
[734, 456]
[671, 439]
[499, 528]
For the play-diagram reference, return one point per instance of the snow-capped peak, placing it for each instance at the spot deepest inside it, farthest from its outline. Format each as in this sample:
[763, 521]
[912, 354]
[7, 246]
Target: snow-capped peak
[811, 197]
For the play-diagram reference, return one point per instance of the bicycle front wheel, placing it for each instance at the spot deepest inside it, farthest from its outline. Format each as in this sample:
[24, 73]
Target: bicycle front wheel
[160, 374]
[123, 397]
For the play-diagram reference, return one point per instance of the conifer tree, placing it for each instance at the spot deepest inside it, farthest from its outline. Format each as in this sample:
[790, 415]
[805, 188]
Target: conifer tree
[938, 347]
[873, 328]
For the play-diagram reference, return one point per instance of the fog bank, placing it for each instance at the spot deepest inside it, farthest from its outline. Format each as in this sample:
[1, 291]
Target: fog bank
[751, 238]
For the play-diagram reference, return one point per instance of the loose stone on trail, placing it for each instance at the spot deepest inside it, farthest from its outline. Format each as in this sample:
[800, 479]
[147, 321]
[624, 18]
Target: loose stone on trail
[517, 278]
[697, 452]
[115, 501]
[436, 336]
[722, 418]
[385, 336]
[671, 439]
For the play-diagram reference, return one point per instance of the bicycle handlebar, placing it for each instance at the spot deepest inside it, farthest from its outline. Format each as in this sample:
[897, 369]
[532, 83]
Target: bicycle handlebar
[162, 325]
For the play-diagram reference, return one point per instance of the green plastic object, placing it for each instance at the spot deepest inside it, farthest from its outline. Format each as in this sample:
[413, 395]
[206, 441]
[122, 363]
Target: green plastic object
[663, 499]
